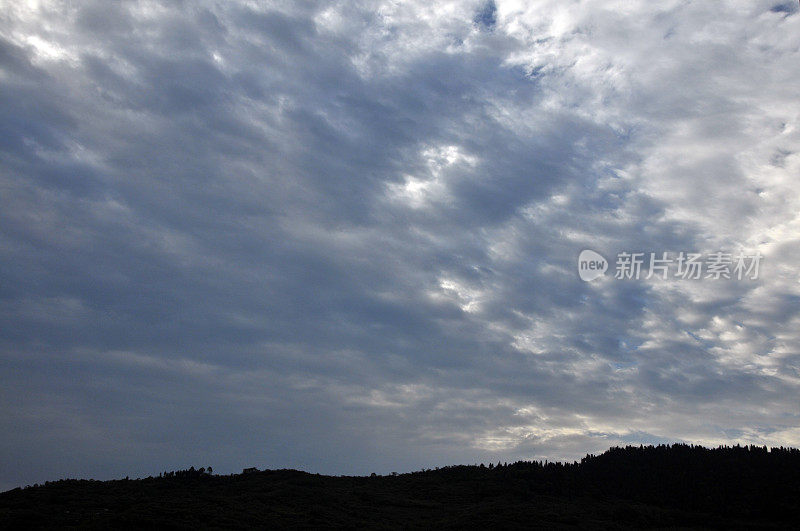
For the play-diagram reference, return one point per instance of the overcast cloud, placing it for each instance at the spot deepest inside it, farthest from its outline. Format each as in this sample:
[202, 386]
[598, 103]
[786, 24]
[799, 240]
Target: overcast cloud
[342, 236]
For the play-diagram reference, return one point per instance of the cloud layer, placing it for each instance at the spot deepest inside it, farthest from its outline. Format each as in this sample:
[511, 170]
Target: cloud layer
[341, 236]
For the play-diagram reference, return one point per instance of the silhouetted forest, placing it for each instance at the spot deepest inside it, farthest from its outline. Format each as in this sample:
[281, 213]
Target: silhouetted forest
[632, 487]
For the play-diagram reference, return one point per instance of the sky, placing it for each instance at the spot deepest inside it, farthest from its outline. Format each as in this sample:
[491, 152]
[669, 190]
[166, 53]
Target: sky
[343, 236]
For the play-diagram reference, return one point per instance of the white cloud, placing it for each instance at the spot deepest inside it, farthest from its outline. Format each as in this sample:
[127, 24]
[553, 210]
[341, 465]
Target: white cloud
[359, 223]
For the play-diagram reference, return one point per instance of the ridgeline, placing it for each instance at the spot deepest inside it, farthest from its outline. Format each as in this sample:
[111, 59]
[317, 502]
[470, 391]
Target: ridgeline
[634, 487]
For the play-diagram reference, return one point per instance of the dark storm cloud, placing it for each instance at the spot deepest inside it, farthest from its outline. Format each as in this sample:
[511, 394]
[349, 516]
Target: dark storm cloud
[343, 237]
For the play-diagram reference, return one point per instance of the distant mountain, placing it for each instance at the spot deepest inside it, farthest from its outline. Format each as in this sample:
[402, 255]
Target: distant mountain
[633, 487]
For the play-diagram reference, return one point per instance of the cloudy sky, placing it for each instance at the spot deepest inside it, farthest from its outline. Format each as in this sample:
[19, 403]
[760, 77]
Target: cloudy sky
[343, 236]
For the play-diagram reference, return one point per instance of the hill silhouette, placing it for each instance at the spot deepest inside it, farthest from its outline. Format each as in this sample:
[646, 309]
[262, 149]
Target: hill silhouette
[664, 486]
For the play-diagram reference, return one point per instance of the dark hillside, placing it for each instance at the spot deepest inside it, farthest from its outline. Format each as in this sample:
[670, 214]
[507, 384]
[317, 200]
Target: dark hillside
[633, 487]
